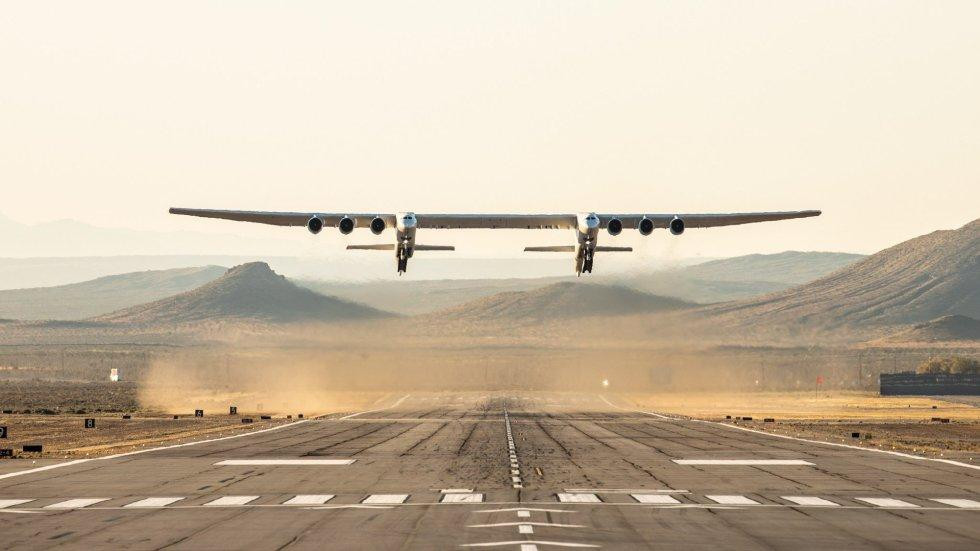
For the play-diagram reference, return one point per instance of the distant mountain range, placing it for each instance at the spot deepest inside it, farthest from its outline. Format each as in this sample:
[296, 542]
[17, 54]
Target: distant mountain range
[99, 296]
[930, 276]
[249, 292]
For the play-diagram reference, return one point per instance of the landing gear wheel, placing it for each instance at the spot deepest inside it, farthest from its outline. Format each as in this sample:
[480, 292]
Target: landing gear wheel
[402, 265]
[587, 263]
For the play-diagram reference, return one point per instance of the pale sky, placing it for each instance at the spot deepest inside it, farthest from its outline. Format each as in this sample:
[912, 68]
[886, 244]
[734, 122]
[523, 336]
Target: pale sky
[112, 111]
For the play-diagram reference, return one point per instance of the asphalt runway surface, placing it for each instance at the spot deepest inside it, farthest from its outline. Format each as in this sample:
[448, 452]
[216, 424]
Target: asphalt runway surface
[494, 471]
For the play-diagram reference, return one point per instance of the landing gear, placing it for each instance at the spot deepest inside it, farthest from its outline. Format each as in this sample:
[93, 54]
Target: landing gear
[404, 253]
[587, 256]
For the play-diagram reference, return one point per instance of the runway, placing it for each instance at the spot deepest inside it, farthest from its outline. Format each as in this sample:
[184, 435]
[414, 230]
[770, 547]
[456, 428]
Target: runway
[495, 471]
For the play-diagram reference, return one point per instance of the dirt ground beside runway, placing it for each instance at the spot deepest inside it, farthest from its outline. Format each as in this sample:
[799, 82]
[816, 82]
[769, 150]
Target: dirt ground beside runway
[899, 423]
[53, 413]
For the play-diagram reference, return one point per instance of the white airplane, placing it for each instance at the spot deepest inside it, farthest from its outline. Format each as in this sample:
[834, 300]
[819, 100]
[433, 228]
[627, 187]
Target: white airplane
[585, 224]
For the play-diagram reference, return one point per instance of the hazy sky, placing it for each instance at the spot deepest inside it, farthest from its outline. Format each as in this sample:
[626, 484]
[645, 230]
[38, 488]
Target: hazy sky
[112, 111]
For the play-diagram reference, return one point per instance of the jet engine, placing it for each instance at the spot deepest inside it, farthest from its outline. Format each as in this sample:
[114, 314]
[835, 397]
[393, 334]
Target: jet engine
[677, 226]
[645, 226]
[314, 224]
[346, 225]
[378, 225]
[614, 226]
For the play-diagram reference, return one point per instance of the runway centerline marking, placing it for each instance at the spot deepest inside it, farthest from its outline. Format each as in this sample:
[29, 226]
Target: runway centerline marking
[254, 462]
[527, 523]
[741, 462]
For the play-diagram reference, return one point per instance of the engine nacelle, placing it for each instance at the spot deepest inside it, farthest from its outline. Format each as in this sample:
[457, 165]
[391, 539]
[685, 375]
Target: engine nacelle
[314, 224]
[378, 225]
[645, 226]
[346, 225]
[614, 226]
[677, 226]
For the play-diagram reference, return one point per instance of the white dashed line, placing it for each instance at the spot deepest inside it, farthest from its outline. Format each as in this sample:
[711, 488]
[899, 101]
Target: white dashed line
[733, 500]
[525, 529]
[657, 499]
[309, 462]
[741, 462]
[515, 468]
[309, 499]
[579, 498]
[887, 502]
[462, 498]
[385, 499]
[76, 503]
[154, 502]
[524, 543]
[811, 501]
[960, 503]
[4, 503]
[229, 501]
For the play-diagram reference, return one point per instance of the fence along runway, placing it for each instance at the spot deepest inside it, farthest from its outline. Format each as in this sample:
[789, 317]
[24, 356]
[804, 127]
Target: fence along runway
[591, 474]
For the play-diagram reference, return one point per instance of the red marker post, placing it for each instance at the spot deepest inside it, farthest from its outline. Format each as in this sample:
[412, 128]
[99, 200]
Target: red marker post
[816, 387]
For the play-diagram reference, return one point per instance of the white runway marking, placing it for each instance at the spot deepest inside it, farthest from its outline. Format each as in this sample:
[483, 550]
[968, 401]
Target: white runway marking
[254, 462]
[887, 502]
[231, 500]
[659, 499]
[733, 500]
[154, 502]
[808, 441]
[4, 503]
[385, 499]
[519, 509]
[524, 514]
[579, 498]
[76, 503]
[462, 498]
[309, 499]
[741, 462]
[522, 543]
[396, 404]
[148, 450]
[526, 523]
[525, 529]
[811, 501]
[623, 491]
[529, 547]
[456, 491]
[961, 503]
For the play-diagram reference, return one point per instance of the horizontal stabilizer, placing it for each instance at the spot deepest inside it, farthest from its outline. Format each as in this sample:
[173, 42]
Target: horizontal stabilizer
[614, 249]
[555, 249]
[435, 248]
[381, 247]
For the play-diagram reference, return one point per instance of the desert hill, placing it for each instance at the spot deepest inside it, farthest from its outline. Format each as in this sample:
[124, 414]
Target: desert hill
[102, 295]
[713, 281]
[944, 329]
[562, 300]
[915, 281]
[247, 292]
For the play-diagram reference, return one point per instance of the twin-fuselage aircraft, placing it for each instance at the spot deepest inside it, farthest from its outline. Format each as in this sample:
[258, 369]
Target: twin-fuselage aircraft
[586, 226]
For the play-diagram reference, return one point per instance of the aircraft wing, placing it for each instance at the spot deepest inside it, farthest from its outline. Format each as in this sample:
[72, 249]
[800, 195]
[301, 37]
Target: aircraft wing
[497, 221]
[707, 220]
[283, 218]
